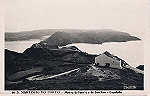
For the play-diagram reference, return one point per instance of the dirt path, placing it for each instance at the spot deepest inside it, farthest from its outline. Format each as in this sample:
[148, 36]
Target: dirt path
[50, 77]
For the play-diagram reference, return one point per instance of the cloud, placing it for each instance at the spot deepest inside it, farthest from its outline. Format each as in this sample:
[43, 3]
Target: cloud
[123, 15]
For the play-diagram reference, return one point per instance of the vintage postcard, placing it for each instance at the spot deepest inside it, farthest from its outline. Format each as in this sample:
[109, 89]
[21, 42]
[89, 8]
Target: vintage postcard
[66, 47]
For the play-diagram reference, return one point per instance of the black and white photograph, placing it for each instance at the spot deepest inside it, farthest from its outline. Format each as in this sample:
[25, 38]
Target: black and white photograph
[74, 44]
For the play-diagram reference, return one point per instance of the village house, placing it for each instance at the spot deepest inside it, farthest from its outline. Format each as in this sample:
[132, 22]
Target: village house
[108, 60]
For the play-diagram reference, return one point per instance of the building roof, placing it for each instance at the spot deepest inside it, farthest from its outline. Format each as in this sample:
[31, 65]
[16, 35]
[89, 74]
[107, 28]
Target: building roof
[114, 57]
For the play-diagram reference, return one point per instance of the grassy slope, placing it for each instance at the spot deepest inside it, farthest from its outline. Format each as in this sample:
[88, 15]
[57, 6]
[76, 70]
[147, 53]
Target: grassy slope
[87, 78]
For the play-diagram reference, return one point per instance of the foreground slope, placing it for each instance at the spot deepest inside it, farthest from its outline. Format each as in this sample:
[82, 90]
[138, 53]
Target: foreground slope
[86, 78]
[47, 74]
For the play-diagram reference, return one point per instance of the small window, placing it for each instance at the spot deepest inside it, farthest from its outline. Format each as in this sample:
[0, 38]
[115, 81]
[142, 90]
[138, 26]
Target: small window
[107, 64]
[96, 64]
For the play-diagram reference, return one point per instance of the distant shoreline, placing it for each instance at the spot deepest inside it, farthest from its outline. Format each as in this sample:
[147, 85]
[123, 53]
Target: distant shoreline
[39, 34]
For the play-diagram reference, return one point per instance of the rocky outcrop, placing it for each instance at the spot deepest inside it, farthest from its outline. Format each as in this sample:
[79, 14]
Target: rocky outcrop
[72, 47]
[70, 54]
[43, 44]
[141, 67]
[38, 53]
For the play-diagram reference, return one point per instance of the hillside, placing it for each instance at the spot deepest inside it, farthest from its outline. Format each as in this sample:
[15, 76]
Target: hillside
[36, 34]
[57, 59]
[15, 62]
[27, 35]
[86, 78]
[92, 37]
[41, 70]
[49, 65]
[39, 34]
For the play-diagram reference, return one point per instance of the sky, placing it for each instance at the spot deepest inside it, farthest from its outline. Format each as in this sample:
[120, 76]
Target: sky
[123, 15]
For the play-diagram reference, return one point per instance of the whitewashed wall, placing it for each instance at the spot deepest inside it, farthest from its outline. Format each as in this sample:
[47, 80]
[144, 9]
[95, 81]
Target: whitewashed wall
[103, 59]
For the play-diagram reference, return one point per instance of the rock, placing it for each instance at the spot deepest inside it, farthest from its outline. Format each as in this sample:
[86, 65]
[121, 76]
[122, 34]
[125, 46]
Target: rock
[141, 67]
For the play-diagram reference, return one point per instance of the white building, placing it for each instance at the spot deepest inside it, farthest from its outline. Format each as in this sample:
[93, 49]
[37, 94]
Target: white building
[107, 60]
